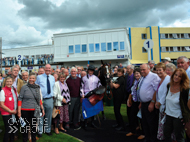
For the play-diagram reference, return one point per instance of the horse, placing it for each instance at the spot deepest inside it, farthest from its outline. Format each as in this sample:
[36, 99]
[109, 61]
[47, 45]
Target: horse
[105, 77]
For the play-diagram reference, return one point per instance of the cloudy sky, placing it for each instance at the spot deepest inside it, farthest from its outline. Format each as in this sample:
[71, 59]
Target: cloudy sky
[33, 22]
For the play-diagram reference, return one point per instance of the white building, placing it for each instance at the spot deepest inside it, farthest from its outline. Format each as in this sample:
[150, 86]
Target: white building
[81, 48]
[110, 45]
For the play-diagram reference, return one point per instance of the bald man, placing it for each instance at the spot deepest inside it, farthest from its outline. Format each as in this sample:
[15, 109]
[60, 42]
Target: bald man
[83, 73]
[57, 71]
[66, 72]
[46, 82]
[41, 71]
[147, 94]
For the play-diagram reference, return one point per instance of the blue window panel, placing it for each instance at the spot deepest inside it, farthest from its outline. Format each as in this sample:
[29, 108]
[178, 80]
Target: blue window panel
[97, 47]
[103, 47]
[122, 46]
[77, 48]
[84, 48]
[115, 46]
[71, 49]
[109, 46]
[91, 47]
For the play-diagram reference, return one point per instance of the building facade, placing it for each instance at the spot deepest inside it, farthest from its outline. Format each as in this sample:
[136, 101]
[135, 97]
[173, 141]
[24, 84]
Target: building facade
[119, 45]
[168, 42]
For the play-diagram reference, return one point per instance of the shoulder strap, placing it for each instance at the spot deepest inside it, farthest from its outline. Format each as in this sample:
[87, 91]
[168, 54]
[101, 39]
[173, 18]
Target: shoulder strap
[34, 96]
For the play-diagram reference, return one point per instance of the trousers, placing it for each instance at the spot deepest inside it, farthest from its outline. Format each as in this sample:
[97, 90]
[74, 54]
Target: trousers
[47, 119]
[174, 125]
[31, 121]
[74, 110]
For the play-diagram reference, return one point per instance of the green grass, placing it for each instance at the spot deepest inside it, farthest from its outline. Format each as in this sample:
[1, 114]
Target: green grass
[57, 138]
[109, 113]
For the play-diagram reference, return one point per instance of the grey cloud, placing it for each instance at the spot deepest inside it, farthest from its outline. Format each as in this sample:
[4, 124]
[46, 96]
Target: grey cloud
[103, 13]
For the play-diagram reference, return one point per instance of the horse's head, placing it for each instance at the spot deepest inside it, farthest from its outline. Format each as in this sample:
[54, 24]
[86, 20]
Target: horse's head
[105, 71]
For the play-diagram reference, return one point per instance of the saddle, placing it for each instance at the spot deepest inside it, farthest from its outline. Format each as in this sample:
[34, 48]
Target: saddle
[96, 95]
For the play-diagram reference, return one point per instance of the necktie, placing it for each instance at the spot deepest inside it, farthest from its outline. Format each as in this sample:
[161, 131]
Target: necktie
[48, 86]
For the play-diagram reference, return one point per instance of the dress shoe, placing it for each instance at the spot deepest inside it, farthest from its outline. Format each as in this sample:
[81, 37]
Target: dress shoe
[49, 134]
[119, 128]
[115, 125]
[77, 127]
[127, 125]
[129, 134]
[141, 137]
[93, 125]
[67, 127]
[39, 135]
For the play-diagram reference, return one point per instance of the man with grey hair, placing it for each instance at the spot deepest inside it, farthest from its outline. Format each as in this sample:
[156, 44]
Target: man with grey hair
[147, 96]
[151, 64]
[129, 78]
[18, 83]
[183, 62]
[25, 77]
[74, 85]
[79, 71]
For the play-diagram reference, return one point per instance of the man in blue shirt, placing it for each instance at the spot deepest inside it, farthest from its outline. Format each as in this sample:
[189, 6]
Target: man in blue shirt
[46, 83]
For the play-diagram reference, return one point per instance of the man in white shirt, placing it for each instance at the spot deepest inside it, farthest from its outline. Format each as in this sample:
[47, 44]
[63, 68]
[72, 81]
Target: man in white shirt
[147, 94]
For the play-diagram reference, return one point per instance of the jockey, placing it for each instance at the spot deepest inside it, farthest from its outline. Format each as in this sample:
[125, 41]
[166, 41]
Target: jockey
[89, 83]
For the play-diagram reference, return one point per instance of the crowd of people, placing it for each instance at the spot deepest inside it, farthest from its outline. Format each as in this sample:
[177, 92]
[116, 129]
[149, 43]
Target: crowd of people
[26, 60]
[157, 99]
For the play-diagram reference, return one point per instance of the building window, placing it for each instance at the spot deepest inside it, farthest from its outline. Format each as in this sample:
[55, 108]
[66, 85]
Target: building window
[103, 47]
[109, 46]
[186, 35]
[97, 47]
[162, 36]
[115, 46]
[144, 36]
[175, 35]
[163, 49]
[122, 45]
[84, 48]
[91, 47]
[175, 49]
[71, 49]
[187, 48]
[77, 48]
[144, 50]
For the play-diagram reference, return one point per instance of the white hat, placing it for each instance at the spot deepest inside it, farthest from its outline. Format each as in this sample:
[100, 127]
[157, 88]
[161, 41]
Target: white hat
[168, 59]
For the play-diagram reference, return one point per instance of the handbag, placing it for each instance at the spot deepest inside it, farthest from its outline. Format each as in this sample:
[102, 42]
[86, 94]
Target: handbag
[55, 111]
[130, 99]
[37, 109]
[187, 128]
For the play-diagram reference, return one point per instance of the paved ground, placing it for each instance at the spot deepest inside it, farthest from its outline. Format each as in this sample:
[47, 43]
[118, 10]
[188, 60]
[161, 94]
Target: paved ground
[104, 134]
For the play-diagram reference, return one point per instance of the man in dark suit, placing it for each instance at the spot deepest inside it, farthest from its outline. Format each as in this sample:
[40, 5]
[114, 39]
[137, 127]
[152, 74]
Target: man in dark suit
[129, 79]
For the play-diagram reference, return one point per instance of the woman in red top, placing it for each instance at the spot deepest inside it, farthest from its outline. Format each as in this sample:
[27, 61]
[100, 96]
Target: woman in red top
[8, 104]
